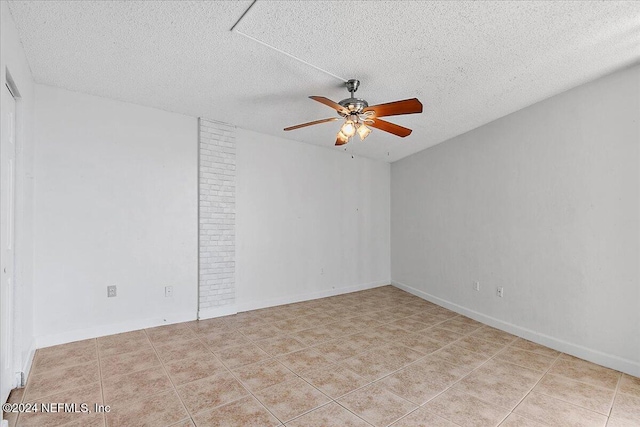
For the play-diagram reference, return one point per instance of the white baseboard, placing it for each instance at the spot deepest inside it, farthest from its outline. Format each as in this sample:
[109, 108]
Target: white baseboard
[210, 313]
[114, 328]
[26, 366]
[290, 299]
[610, 361]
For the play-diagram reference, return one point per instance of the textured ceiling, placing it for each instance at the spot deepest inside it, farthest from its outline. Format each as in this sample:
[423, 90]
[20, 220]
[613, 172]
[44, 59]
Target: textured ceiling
[468, 62]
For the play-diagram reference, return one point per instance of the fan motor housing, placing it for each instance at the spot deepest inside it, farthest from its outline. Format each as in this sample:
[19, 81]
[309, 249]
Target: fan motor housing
[354, 105]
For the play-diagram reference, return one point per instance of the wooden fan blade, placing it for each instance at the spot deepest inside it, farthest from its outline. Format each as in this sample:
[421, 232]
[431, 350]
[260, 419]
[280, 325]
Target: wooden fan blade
[406, 106]
[393, 128]
[316, 122]
[340, 141]
[326, 101]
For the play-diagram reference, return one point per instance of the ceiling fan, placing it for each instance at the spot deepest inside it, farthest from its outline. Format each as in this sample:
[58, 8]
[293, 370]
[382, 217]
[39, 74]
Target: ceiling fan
[359, 116]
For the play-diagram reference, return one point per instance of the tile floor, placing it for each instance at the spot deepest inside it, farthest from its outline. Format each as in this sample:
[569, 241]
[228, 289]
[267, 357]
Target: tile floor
[379, 357]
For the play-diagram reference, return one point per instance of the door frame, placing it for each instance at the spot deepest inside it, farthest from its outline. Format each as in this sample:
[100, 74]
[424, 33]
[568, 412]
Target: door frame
[8, 308]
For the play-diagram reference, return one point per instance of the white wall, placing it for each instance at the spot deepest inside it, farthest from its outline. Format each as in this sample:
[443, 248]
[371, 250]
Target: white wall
[116, 203]
[310, 222]
[13, 60]
[544, 202]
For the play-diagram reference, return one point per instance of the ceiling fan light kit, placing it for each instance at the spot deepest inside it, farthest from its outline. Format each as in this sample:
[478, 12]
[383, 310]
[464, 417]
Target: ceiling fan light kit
[359, 117]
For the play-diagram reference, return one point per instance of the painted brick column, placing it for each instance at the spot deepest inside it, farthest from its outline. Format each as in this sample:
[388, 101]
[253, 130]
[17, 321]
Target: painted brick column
[217, 217]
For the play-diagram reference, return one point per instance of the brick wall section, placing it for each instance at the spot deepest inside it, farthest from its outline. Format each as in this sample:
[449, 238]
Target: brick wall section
[217, 214]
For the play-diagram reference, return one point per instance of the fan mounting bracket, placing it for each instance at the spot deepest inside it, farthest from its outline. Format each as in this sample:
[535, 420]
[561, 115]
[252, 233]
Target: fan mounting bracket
[352, 85]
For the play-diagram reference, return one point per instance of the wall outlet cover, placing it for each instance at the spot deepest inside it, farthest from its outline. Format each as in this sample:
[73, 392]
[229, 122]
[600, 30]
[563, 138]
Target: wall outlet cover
[111, 291]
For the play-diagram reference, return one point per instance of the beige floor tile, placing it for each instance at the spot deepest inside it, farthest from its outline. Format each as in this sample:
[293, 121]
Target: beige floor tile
[194, 368]
[15, 396]
[59, 380]
[371, 366]
[260, 332]
[88, 394]
[467, 320]
[526, 358]
[364, 322]
[341, 348]
[126, 342]
[263, 374]
[94, 421]
[159, 410]
[209, 326]
[626, 410]
[462, 357]
[438, 371]
[246, 412]
[170, 334]
[442, 335]
[523, 344]
[514, 420]
[124, 363]
[415, 351]
[181, 350]
[390, 332]
[459, 326]
[478, 345]
[410, 324]
[314, 336]
[331, 415]
[422, 418]
[211, 392]
[420, 343]
[412, 386]
[391, 315]
[376, 405]
[341, 328]
[427, 318]
[321, 318]
[501, 384]
[219, 341]
[241, 355]
[145, 382]
[11, 418]
[61, 356]
[367, 339]
[398, 354]
[551, 411]
[630, 385]
[588, 396]
[581, 370]
[335, 380]
[621, 422]
[496, 335]
[304, 360]
[466, 410]
[280, 345]
[295, 324]
[291, 399]
[443, 312]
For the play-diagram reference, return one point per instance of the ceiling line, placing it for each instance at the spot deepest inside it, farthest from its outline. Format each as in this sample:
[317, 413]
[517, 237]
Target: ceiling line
[290, 55]
[244, 13]
[275, 48]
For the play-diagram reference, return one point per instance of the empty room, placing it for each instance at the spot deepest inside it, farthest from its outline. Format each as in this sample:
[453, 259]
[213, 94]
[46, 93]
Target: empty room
[320, 213]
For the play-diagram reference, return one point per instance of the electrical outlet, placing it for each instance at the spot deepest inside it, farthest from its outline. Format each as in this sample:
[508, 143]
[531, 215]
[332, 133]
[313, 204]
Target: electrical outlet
[168, 291]
[500, 291]
[111, 291]
[476, 286]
